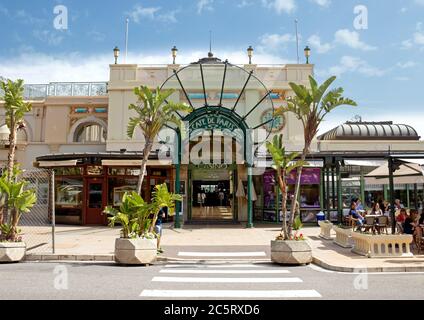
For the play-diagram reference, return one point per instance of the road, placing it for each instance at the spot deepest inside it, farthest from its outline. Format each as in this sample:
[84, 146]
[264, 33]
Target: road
[227, 279]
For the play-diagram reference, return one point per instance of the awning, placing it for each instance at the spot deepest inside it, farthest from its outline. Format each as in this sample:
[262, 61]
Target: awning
[405, 170]
[134, 163]
[52, 164]
[311, 164]
[408, 173]
[397, 180]
[365, 163]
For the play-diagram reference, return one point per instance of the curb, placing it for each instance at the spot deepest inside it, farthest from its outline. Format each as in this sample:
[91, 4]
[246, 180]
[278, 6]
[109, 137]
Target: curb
[111, 258]
[336, 268]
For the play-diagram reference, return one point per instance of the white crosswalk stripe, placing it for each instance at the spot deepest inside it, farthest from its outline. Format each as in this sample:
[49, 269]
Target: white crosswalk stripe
[225, 281]
[222, 254]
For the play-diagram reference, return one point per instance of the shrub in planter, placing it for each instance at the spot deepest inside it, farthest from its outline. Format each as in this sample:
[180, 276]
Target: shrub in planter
[138, 241]
[19, 200]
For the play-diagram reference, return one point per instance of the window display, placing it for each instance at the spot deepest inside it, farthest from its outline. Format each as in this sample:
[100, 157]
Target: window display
[69, 195]
[118, 187]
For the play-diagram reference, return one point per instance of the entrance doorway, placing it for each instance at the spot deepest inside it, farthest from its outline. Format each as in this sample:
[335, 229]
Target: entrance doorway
[95, 202]
[212, 196]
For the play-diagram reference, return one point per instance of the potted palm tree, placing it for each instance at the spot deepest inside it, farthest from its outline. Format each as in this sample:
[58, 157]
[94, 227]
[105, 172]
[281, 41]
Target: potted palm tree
[311, 106]
[19, 200]
[15, 108]
[287, 248]
[153, 113]
[137, 244]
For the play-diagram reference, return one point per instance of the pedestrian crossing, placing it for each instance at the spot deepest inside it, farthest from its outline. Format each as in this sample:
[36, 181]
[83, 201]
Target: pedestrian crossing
[227, 280]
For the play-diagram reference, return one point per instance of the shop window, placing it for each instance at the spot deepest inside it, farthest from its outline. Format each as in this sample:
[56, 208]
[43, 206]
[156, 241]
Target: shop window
[118, 187]
[69, 195]
[90, 133]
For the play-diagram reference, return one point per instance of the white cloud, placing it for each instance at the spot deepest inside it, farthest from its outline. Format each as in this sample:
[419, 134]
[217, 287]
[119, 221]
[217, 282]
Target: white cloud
[322, 3]
[152, 13]
[316, 44]
[419, 2]
[244, 3]
[406, 65]
[204, 5]
[51, 37]
[403, 10]
[36, 67]
[349, 64]
[351, 39]
[275, 41]
[417, 37]
[402, 78]
[280, 6]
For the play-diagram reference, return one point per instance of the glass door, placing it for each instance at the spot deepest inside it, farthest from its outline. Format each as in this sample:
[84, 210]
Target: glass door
[95, 203]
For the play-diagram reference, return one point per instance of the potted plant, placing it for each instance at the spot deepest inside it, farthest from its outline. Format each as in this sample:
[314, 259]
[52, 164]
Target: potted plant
[19, 200]
[137, 244]
[287, 248]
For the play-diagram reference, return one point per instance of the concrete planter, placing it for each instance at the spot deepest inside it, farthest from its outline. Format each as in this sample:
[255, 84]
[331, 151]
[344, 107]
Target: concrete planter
[291, 252]
[343, 237]
[12, 251]
[326, 228]
[135, 251]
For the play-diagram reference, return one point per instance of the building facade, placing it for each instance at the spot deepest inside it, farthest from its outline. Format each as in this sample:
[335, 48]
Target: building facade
[219, 162]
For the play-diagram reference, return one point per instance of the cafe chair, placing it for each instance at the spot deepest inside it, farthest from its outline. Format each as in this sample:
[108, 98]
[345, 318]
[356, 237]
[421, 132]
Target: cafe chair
[382, 224]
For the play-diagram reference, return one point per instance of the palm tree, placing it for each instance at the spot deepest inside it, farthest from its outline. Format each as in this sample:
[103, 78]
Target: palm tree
[283, 164]
[311, 106]
[15, 108]
[153, 113]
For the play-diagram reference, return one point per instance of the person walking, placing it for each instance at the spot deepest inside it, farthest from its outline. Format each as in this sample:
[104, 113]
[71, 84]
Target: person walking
[159, 227]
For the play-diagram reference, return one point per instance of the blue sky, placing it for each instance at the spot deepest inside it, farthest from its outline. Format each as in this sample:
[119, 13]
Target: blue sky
[378, 66]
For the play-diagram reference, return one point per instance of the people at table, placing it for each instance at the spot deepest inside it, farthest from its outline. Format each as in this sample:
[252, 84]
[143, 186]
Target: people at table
[376, 210]
[353, 212]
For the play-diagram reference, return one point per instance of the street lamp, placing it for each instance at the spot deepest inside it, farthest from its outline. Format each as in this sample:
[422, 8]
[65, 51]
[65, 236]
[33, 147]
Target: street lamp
[174, 51]
[307, 54]
[250, 54]
[116, 52]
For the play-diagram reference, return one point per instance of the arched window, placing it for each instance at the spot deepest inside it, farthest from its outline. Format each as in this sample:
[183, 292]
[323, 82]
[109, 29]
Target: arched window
[90, 132]
[22, 136]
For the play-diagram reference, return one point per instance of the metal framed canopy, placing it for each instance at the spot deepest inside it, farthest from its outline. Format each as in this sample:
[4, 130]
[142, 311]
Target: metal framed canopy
[215, 113]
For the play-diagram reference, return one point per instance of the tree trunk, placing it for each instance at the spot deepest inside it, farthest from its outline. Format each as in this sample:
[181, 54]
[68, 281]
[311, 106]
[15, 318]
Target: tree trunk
[10, 165]
[283, 187]
[146, 152]
[14, 221]
[296, 192]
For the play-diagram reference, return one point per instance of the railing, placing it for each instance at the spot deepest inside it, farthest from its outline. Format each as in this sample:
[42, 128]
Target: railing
[63, 89]
[377, 246]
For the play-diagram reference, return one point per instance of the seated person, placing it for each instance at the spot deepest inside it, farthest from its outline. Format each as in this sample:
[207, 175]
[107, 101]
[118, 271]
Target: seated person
[355, 214]
[411, 223]
[376, 211]
[402, 216]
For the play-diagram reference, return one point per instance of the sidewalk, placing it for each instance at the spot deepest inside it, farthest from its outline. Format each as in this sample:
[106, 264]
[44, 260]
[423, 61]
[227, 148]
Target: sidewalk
[75, 243]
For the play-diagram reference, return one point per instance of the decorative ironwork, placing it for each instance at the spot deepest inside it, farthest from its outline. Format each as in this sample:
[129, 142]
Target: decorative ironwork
[64, 89]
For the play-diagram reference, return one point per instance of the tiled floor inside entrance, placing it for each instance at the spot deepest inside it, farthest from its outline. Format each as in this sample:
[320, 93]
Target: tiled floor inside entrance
[212, 213]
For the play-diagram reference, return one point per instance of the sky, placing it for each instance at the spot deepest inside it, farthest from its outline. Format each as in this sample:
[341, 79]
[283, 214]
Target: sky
[374, 47]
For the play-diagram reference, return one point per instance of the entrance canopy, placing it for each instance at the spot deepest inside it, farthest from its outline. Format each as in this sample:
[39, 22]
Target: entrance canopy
[226, 98]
